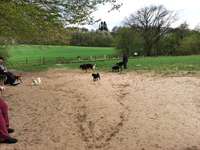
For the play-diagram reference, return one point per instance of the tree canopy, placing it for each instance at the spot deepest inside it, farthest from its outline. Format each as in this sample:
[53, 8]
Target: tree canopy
[72, 11]
[154, 22]
[24, 19]
[69, 11]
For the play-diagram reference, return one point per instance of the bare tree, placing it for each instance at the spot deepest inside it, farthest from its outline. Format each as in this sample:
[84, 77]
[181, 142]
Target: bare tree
[153, 22]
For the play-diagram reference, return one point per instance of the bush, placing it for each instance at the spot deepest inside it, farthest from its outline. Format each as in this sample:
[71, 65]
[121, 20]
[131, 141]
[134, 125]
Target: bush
[93, 39]
[190, 45]
[4, 51]
[129, 41]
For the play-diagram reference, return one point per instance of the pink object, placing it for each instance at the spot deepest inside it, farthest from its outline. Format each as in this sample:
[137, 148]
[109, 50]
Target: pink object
[4, 122]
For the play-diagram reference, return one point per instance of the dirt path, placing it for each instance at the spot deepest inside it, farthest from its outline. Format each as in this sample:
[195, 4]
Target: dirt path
[131, 111]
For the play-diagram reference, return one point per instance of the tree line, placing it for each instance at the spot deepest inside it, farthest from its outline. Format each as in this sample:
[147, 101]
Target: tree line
[147, 31]
[95, 38]
[177, 41]
[44, 21]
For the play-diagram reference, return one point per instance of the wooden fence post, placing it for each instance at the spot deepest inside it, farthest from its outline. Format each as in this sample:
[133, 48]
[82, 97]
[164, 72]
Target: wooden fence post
[43, 61]
[79, 58]
[104, 57]
[56, 60]
[26, 60]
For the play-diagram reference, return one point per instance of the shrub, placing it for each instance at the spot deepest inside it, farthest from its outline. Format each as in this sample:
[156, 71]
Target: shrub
[4, 51]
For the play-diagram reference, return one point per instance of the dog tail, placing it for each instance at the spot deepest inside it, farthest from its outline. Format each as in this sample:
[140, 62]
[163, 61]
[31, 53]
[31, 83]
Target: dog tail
[94, 67]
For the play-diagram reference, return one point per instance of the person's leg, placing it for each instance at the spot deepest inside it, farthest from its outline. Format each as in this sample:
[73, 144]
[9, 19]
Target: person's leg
[3, 129]
[4, 125]
[4, 136]
[4, 111]
[125, 65]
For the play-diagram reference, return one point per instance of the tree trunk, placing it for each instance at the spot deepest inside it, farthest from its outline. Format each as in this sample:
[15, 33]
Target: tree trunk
[148, 48]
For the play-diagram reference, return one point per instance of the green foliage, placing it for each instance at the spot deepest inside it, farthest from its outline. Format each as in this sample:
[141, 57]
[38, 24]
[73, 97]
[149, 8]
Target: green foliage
[99, 39]
[168, 45]
[72, 11]
[178, 41]
[4, 51]
[190, 44]
[27, 23]
[129, 41]
[43, 21]
[153, 22]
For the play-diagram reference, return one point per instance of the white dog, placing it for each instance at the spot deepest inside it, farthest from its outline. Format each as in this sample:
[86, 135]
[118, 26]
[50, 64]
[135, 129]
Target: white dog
[2, 88]
[36, 81]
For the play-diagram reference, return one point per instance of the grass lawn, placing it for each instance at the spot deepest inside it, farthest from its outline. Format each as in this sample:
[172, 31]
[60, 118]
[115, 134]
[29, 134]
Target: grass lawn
[21, 52]
[159, 64]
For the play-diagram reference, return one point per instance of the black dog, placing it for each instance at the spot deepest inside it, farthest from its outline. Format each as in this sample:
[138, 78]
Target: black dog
[87, 67]
[115, 68]
[96, 76]
[120, 64]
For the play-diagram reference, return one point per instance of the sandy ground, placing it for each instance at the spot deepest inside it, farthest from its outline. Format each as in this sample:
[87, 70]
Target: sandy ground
[129, 111]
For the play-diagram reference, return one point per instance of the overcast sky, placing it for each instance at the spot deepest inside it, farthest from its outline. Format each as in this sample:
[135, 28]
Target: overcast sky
[188, 10]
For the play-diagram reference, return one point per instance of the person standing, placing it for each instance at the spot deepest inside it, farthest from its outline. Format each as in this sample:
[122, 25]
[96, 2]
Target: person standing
[125, 60]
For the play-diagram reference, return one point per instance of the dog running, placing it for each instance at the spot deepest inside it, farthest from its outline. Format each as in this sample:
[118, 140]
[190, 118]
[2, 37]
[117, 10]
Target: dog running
[96, 76]
[36, 81]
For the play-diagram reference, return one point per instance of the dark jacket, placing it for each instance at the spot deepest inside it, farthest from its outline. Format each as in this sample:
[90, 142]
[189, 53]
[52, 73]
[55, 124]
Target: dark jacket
[125, 58]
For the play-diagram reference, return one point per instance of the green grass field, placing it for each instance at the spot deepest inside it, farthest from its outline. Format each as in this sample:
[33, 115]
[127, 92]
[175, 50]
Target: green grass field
[159, 64]
[36, 51]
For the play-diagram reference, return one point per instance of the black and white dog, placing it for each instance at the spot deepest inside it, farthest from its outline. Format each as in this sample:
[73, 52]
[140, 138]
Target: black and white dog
[96, 76]
[117, 67]
[88, 67]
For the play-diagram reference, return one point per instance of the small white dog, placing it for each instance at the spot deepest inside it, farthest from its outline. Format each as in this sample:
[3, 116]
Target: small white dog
[36, 81]
[2, 88]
